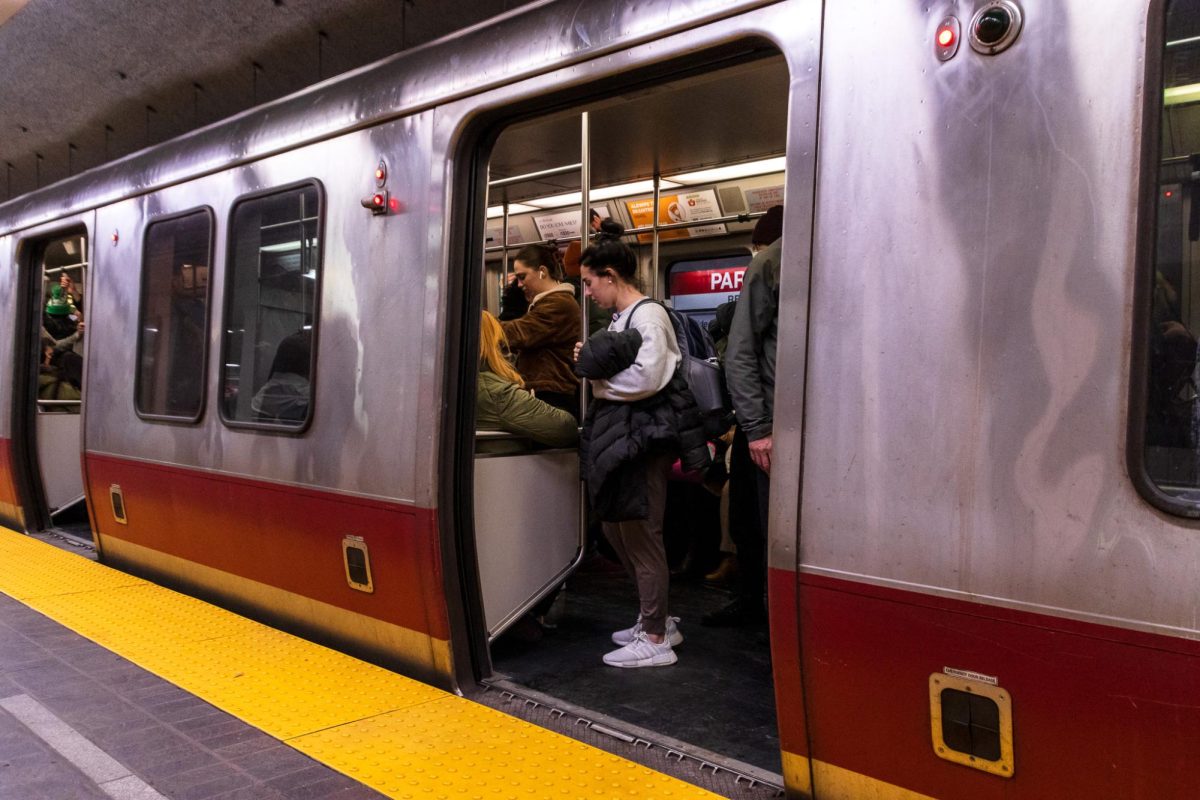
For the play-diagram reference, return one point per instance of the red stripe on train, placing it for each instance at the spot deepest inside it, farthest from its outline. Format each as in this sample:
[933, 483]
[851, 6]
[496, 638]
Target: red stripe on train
[1097, 711]
[10, 507]
[283, 536]
[785, 661]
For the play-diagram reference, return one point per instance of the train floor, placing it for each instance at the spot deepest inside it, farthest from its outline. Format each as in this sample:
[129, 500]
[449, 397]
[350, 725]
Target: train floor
[113, 687]
[719, 695]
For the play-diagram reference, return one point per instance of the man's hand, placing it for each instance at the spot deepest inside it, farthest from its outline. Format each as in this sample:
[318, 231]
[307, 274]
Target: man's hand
[760, 453]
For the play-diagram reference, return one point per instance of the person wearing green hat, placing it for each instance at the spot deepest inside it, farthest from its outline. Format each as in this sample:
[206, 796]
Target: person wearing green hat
[61, 323]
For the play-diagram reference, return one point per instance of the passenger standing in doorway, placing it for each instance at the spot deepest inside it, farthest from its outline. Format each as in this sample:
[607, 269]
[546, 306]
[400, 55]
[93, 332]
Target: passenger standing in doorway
[750, 375]
[639, 421]
[545, 336]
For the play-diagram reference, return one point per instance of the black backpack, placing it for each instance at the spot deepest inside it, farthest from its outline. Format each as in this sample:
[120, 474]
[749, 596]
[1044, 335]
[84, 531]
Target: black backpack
[701, 370]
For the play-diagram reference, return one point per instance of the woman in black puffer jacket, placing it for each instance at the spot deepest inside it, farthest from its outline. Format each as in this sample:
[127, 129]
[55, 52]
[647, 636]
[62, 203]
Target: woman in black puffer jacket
[642, 417]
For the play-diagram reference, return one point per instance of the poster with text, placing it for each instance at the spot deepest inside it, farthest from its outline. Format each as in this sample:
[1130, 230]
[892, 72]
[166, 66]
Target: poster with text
[674, 208]
[563, 224]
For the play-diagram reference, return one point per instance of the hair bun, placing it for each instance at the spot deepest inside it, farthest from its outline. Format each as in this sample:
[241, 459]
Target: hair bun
[611, 229]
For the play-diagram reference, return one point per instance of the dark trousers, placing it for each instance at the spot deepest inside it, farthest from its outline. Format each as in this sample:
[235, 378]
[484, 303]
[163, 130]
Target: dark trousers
[748, 503]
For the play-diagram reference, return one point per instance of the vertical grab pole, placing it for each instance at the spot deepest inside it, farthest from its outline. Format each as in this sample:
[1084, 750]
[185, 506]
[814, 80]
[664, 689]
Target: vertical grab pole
[585, 187]
[585, 229]
[654, 244]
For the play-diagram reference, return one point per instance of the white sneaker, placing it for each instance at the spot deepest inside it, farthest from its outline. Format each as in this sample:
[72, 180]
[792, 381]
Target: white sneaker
[626, 636]
[642, 652]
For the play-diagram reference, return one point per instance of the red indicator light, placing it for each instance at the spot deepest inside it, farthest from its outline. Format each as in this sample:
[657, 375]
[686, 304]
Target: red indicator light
[379, 174]
[377, 201]
[116, 237]
[1168, 193]
[945, 37]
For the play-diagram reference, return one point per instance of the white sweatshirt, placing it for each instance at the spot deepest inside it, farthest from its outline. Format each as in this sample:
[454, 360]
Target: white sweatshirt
[656, 360]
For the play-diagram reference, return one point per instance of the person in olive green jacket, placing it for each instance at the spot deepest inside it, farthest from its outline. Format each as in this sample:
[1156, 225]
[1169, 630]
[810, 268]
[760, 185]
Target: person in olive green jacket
[502, 404]
[544, 337]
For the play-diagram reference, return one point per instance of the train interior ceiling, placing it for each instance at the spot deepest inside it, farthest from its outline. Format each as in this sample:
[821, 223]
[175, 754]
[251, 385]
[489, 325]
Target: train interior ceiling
[716, 143]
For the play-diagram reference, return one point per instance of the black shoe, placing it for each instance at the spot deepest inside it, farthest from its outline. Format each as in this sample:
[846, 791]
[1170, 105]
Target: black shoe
[739, 612]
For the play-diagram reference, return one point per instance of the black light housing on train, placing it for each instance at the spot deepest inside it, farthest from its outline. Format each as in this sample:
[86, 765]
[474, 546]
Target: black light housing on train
[995, 27]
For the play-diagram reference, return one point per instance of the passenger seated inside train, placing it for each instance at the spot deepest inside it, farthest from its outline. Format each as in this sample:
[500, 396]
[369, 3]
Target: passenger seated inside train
[503, 404]
[59, 374]
[544, 337]
[285, 395]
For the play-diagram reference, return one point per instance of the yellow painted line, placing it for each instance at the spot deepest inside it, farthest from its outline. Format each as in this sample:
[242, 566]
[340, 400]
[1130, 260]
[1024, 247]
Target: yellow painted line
[397, 735]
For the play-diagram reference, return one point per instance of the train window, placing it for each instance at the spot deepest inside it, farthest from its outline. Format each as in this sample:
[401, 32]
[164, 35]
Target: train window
[271, 309]
[173, 327]
[1171, 423]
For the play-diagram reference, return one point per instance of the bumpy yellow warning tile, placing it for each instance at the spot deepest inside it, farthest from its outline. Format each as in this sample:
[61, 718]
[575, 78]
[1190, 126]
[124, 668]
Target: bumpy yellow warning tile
[56, 572]
[454, 748]
[406, 739]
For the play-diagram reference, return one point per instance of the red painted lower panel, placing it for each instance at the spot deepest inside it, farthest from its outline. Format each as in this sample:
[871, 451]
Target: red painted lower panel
[10, 506]
[785, 661]
[1097, 711]
[283, 536]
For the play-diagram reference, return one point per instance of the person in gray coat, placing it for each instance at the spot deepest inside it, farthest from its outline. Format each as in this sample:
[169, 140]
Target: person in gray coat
[750, 376]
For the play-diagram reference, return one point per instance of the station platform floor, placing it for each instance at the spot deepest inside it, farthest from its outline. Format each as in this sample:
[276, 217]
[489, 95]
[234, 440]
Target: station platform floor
[114, 687]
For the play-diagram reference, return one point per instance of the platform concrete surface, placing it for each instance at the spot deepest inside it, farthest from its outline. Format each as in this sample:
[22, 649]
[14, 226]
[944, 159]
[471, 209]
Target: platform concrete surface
[78, 721]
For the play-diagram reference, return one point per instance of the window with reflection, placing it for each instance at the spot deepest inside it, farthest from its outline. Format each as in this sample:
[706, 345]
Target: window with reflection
[1172, 425]
[64, 264]
[173, 317]
[271, 309]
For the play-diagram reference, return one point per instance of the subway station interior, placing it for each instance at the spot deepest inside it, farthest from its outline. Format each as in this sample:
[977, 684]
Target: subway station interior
[608, 399]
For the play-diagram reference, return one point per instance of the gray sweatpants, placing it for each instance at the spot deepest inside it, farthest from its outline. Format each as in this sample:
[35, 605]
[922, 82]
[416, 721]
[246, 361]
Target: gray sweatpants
[639, 545]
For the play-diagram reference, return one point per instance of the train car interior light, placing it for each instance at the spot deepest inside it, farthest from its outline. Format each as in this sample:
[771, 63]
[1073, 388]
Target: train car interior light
[514, 208]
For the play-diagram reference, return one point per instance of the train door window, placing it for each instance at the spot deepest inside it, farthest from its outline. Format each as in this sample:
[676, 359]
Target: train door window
[698, 286]
[682, 142]
[61, 266]
[173, 325]
[1172, 411]
[64, 276]
[271, 302]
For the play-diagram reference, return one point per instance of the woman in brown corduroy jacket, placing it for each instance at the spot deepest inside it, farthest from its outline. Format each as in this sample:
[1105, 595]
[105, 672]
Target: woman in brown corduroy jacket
[544, 338]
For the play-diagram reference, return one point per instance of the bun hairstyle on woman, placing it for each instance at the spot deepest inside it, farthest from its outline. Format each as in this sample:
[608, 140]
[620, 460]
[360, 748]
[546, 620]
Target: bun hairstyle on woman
[609, 255]
[492, 348]
[537, 256]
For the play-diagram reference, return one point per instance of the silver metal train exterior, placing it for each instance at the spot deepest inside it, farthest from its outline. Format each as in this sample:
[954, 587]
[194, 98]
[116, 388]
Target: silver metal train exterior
[952, 501]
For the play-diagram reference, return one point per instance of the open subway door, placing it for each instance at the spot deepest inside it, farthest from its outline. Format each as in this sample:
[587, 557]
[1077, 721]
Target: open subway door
[709, 180]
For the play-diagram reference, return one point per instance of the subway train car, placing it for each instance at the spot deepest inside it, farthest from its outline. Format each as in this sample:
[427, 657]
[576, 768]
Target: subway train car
[984, 562]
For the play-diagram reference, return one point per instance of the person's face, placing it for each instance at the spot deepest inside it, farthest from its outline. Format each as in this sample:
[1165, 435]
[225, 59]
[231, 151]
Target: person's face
[601, 288]
[532, 280]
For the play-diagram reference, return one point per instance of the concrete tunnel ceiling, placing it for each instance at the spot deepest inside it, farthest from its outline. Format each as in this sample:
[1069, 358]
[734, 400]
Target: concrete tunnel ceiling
[90, 81]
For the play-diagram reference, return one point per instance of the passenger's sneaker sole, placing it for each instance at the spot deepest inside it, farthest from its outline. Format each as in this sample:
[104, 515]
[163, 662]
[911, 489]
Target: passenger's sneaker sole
[664, 660]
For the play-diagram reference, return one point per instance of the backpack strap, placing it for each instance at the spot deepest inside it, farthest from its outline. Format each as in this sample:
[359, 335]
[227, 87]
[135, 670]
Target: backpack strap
[638, 305]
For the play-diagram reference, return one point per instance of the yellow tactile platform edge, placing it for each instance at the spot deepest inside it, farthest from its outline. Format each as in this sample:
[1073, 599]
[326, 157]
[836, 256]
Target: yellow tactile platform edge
[396, 735]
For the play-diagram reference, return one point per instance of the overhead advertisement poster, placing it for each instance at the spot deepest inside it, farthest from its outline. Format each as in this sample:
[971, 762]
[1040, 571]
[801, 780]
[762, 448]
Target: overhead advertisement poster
[563, 224]
[673, 208]
[762, 199]
[495, 229]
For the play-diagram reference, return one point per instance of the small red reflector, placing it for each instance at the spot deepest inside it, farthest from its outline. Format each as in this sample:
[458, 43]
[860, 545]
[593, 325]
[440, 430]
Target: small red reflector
[945, 37]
